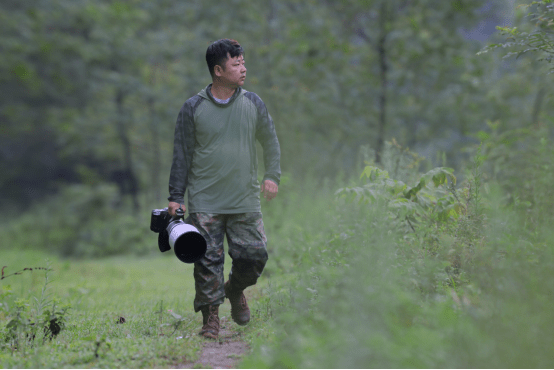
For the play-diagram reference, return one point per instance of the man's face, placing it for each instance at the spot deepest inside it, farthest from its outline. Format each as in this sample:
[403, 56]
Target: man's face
[234, 72]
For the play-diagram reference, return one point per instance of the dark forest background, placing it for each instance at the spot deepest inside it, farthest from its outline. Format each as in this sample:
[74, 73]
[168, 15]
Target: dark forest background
[91, 90]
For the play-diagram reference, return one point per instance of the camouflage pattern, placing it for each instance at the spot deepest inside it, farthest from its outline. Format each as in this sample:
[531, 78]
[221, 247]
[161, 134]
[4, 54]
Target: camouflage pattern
[247, 247]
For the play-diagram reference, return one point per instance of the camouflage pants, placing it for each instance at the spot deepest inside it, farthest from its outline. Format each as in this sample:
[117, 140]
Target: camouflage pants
[247, 247]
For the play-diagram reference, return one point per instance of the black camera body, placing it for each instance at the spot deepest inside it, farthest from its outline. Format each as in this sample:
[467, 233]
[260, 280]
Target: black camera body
[159, 220]
[158, 223]
[188, 243]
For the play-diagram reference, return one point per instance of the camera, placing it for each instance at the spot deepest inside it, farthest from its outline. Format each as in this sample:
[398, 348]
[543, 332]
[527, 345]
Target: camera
[189, 245]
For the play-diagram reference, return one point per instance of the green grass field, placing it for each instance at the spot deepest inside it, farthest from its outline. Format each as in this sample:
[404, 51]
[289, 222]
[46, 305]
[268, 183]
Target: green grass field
[144, 291]
[141, 289]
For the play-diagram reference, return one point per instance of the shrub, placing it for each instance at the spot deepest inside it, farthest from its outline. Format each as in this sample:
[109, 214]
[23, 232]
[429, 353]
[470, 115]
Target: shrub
[82, 221]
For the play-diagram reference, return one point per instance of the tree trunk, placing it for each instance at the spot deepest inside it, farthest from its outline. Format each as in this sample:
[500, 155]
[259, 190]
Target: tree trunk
[269, 39]
[537, 106]
[156, 152]
[381, 49]
[130, 180]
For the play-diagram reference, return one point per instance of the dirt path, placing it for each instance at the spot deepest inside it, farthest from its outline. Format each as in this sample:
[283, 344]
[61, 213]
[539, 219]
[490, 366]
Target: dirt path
[224, 353]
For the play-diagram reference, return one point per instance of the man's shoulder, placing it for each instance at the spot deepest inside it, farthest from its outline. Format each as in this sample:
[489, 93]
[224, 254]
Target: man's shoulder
[192, 103]
[193, 100]
[254, 98]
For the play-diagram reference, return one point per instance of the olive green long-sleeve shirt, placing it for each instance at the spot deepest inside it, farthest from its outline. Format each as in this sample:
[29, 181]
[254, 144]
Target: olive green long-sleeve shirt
[214, 154]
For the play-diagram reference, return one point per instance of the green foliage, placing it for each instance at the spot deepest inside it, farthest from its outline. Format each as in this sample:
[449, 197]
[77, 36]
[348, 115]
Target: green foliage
[116, 319]
[520, 161]
[412, 272]
[427, 198]
[539, 41]
[28, 324]
[94, 89]
[82, 221]
[398, 300]
[345, 287]
[435, 219]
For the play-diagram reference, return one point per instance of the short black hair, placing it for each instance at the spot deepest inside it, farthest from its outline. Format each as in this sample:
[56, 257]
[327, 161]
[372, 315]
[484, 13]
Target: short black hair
[217, 53]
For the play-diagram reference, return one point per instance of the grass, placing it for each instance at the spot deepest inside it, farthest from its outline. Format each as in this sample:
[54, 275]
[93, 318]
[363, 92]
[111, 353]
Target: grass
[342, 288]
[140, 290]
[391, 302]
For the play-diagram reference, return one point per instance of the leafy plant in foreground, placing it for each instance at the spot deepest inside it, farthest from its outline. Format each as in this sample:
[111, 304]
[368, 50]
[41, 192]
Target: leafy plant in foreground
[30, 324]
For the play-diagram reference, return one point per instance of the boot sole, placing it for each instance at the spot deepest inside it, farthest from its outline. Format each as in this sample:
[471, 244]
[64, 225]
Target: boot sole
[209, 335]
[240, 323]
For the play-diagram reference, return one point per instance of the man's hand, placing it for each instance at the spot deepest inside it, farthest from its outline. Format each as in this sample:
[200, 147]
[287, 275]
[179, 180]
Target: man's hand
[173, 207]
[270, 189]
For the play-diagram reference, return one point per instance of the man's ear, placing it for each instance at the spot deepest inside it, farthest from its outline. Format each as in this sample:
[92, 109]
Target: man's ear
[218, 70]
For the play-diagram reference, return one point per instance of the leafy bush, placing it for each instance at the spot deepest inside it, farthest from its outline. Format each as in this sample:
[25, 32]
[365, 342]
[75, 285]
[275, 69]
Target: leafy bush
[82, 221]
[409, 204]
[434, 218]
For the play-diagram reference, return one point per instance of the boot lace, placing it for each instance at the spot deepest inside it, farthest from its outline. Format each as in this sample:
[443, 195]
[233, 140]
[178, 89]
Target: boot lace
[243, 303]
[213, 320]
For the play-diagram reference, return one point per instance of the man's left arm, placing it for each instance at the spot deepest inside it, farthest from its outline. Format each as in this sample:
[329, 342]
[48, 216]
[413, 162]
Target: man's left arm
[266, 135]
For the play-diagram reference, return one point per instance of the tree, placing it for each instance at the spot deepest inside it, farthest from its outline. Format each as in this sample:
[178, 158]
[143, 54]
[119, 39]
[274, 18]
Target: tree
[92, 89]
[538, 41]
[43, 79]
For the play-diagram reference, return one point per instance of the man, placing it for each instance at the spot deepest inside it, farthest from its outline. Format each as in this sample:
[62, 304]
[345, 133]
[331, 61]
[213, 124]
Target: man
[215, 158]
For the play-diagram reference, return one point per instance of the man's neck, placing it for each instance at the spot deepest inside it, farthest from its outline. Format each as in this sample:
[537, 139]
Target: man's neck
[222, 92]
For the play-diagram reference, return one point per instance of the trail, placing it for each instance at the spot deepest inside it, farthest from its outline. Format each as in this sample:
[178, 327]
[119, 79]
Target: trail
[230, 348]
[224, 353]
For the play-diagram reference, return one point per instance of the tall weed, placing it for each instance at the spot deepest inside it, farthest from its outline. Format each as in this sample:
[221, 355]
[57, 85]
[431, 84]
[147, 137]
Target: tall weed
[30, 323]
[520, 161]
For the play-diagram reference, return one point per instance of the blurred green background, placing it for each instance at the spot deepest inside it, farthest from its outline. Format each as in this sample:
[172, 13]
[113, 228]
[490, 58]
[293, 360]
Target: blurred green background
[402, 269]
[91, 90]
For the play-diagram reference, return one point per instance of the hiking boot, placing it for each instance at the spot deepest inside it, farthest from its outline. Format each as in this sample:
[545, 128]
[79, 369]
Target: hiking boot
[210, 320]
[239, 308]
